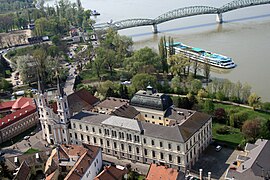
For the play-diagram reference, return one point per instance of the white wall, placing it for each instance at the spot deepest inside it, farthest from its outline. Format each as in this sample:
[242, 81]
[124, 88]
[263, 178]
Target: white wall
[94, 169]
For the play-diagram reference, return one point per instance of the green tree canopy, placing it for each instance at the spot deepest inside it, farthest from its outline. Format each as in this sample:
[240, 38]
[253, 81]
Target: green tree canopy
[141, 81]
[144, 60]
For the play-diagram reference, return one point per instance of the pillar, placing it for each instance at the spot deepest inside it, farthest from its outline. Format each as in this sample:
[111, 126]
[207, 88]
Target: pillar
[154, 28]
[200, 170]
[209, 175]
[219, 18]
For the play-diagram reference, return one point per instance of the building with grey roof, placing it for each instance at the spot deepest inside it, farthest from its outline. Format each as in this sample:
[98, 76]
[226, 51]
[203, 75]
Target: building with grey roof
[177, 146]
[255, 165]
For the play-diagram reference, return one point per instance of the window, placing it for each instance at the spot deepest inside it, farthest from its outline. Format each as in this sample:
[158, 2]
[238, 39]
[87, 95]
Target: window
[153, 117]
[160, 144]
[101, 141]
[153, 142]
[108, 143]
[153, 154]
[161, 155]
[129, 148]
[75, 135]
[63, 131]
[169, 146]
[144, 140]
[100, 132]
[178, 148]
[88, 138]
[80, 126]
[170, 157]
[145, 152]
[137, 150]
[145, 115]
[93, 129]
[86, 127]
[122, 147]
[81, 137]
[70, 134]
[114, 145]
[178, 160]
[95, 140]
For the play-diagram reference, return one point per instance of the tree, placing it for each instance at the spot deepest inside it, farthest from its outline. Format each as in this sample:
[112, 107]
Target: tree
[163, 53]
[144, 60]
[220, 115]
[208, 106]
[253, 100]
[206, 71]
[141, 81]
[177, 64]
[251, 129]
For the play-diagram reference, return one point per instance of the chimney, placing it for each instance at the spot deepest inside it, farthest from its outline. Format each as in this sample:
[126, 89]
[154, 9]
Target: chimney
[209, 175]
[200, 171]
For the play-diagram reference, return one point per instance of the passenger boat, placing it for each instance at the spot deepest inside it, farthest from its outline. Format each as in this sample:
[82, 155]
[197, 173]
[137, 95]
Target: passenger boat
[203, 56]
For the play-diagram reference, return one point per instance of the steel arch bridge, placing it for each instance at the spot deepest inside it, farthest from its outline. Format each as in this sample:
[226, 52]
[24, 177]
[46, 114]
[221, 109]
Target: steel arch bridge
[185, 12]
[181, 13]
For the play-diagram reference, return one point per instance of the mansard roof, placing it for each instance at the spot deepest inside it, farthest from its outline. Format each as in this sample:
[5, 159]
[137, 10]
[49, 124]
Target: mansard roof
[146, 99]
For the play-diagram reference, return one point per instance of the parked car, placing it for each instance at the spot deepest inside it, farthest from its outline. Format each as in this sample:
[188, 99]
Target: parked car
[32, 133]
[26, 137]
[218, 148]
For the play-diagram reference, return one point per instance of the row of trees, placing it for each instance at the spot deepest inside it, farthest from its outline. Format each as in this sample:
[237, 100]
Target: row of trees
[43, 61]
[15, 5]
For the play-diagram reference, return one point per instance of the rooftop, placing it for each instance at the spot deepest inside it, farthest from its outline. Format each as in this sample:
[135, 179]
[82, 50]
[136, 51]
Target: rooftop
[126, 111]
[158, 172]
[111, 172]
[112, 103]
[151, 100]
[125, 123]
[178, 133]
[256, 165]
[22, 107]
[81, 99]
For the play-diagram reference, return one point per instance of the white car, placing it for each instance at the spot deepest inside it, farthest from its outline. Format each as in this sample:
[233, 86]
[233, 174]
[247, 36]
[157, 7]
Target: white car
[218, 148]
[26, 137]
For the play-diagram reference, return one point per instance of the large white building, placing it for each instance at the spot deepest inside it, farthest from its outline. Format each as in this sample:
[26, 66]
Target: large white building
[177, 146]
[161, 133]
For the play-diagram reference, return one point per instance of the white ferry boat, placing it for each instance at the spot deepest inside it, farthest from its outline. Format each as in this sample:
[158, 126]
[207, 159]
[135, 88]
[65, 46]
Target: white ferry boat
[203, 56]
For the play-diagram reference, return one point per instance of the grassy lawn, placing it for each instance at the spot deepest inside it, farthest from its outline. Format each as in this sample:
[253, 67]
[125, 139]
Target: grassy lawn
[31, 151]
[251, 113]
[141, 177]
[232, 139]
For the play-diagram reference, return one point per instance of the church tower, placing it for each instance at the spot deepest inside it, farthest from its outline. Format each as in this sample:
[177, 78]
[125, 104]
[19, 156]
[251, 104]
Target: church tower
[54, 117]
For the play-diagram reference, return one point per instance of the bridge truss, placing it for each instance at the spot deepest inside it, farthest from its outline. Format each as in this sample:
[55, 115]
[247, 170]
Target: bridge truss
[181, 13]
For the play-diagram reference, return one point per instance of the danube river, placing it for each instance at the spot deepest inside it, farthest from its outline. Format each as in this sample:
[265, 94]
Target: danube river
[245, 35]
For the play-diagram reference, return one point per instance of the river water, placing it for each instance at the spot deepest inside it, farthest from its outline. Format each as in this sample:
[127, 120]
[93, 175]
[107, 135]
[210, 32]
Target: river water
[244, 36]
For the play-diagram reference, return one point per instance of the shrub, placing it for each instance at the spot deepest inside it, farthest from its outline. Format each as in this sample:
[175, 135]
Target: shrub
[223, 130]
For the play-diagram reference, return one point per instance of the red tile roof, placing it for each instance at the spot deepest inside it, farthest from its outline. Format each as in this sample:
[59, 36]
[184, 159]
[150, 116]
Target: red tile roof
[24, 107]
[111, 172]
[83, 163]
[161, 173]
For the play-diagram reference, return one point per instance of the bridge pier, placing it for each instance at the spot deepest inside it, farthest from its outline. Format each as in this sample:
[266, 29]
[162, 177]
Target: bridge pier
[219, 18]
[154, 28]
